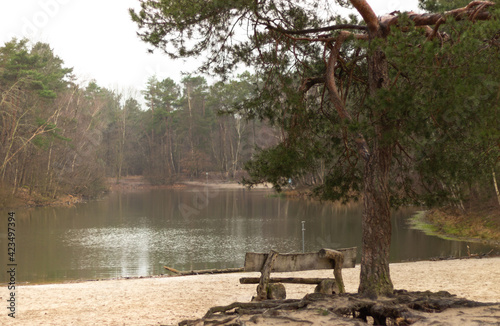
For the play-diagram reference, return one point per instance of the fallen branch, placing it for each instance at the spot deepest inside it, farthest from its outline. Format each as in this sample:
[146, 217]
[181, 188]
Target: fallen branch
[173, 270]
[204, 271]
[282, 304]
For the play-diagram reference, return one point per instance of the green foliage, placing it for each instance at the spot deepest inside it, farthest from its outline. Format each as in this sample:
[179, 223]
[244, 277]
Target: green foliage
[47, 138]
[37, 67]
[213, 28]
[445, 109]
[442, 5]
[60, 138]
[185, 133]
[50, 131]
[438, 118]
[276, 165]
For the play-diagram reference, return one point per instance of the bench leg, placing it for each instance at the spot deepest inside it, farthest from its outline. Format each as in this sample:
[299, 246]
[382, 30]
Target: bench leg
[276, 291]
[338, 259]
[264, 277]
[337, 272]
[327, 287]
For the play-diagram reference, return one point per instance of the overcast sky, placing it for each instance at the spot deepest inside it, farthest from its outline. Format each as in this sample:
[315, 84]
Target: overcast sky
[98, 39]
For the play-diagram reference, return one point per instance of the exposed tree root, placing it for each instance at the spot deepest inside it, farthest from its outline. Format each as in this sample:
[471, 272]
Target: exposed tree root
[404, 308]
[249, 307]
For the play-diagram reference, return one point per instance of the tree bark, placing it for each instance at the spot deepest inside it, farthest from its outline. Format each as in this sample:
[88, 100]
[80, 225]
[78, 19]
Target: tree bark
[375, 278]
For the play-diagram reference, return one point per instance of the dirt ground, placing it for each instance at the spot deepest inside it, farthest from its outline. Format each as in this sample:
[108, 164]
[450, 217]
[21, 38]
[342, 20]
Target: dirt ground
[169, 300]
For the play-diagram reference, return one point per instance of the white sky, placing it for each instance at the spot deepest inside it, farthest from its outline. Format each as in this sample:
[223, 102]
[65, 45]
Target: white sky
[98, 39]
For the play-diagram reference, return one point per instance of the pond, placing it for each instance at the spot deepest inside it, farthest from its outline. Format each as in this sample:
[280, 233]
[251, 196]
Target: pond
[137, 233]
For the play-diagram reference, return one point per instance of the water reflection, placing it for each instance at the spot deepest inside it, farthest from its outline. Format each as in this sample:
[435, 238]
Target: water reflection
[136, 234]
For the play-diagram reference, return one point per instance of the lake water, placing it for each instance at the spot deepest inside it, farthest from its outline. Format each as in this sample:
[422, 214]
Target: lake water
[137, 233]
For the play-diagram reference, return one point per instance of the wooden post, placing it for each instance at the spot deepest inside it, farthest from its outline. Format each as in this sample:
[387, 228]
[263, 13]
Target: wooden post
[264, 277]
[338, 259]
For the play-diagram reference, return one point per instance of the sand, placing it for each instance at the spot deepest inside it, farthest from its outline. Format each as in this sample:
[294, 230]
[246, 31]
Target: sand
[169, 300]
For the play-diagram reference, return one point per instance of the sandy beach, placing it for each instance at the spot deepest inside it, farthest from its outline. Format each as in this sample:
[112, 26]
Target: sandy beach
[169, 300]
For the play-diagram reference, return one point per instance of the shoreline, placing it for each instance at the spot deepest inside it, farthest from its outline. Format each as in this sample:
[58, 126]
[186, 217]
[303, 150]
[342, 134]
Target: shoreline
[419, 222]
[169, 300]
[138, 183]
[130, 183]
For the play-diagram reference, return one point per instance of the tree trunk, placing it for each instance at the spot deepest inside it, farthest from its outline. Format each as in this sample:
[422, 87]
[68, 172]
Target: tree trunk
[496, 185]
[375, 278]
[376, 224]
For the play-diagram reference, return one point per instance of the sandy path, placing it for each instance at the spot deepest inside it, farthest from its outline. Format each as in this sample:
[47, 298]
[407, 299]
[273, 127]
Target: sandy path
[168, 300]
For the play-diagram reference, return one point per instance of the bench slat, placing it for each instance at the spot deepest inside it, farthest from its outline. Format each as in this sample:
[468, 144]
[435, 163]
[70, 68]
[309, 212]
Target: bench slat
[298, 262]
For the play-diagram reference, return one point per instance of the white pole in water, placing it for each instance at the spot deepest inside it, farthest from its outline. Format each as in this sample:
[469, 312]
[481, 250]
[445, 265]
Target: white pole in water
[303, 241]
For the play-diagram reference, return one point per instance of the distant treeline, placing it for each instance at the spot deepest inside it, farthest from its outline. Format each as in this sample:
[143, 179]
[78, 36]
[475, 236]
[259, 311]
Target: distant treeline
[58, 136]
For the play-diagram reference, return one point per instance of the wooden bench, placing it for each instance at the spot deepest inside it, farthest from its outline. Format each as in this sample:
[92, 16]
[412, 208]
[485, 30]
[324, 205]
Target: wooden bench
[265, 263]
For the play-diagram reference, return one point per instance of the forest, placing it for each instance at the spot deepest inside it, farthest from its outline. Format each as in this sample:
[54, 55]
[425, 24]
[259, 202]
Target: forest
[60, 136]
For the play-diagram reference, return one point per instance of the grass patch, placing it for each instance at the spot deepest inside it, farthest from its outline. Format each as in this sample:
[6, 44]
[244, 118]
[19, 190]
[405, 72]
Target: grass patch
[478, 225]
[289, 193]
[419, 222]
[276, 195]
[323, 312]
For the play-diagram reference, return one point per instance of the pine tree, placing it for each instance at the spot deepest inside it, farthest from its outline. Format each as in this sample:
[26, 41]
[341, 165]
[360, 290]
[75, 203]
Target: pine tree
[383, 102]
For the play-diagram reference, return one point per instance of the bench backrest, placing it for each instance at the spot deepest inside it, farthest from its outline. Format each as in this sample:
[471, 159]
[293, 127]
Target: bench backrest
[298, 262]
